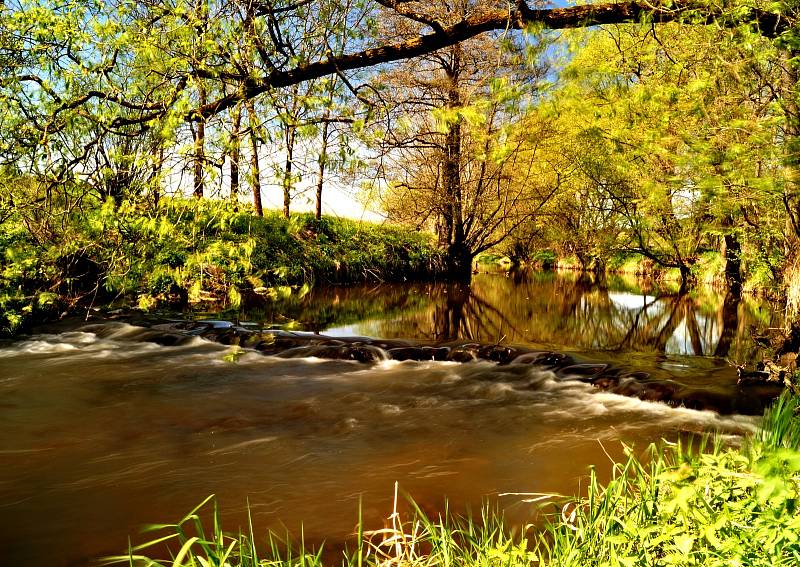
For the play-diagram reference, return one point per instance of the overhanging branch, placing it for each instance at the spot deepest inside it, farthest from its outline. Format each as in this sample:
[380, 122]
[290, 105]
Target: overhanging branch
[521, 17]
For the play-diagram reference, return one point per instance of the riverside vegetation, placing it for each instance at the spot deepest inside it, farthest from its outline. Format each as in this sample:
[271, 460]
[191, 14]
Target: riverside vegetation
[694, 502]
[628, 147]
[189, 251]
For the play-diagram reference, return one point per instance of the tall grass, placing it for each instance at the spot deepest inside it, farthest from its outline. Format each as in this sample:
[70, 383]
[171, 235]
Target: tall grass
[780, 428]
[701, 502]
[708, 504]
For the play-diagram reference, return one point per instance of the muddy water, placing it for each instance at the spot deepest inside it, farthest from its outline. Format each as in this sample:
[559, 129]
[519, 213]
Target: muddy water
[102, 432]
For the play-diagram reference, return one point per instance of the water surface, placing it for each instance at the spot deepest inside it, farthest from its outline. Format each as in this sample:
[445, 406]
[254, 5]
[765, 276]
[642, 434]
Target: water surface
[102, 432]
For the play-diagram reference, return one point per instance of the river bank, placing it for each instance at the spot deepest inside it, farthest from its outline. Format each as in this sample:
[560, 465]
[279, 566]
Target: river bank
[193, 252]
[708, 270]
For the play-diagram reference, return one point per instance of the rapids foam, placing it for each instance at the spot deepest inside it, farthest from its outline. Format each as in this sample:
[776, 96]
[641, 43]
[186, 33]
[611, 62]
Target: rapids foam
[428, 383]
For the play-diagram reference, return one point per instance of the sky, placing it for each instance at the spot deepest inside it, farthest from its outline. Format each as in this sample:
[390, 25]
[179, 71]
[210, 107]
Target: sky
[338, 199]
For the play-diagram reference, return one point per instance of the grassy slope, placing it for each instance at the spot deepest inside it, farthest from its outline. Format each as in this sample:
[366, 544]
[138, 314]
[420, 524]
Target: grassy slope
[189, 250]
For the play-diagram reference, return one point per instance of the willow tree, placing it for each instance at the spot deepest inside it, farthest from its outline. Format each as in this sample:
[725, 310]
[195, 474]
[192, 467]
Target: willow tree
[104, 69]
[447, 143]
[665, 134]
[124, 34]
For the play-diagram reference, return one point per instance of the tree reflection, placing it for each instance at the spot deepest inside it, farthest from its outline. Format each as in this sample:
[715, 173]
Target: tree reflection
[582, 312]
[540, 309]
[466, 315]
[729, 321]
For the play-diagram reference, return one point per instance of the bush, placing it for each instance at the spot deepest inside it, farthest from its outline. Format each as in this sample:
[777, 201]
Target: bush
[546, 259]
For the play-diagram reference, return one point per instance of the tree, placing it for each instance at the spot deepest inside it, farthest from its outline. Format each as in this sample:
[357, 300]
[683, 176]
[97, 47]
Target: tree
[103, 70]
[677, 148]
[449, 147]
[235, 151]
[255, 166]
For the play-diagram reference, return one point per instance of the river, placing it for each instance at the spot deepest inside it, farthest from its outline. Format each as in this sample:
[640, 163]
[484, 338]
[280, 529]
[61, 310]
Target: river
[103, 431]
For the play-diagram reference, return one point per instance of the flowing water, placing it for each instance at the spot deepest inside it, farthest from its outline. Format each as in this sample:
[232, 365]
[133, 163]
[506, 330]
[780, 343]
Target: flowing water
[103, 431]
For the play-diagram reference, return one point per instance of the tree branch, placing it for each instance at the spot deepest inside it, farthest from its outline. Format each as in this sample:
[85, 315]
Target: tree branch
[522, 17]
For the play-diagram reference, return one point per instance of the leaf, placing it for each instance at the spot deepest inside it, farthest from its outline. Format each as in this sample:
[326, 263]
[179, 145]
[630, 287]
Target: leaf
[184, 551]
[684, 543]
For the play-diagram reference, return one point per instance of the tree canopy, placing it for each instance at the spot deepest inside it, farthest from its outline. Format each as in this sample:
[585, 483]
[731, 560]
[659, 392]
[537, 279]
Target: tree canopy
[666, 130]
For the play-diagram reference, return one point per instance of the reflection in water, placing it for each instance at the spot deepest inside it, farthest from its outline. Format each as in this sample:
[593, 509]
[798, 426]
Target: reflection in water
[560, 311]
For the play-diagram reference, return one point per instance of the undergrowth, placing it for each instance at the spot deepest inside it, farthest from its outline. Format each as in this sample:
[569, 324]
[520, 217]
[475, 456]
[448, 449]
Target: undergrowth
[687, 503]
[188, 250]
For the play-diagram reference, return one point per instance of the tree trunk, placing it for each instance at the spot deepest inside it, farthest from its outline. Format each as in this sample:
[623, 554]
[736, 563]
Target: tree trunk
[155, 175]
[584, 261]
[255, 168]
[459, 262]
[791, 109]
[730, 324]
[323, 154]
[235, 153]
[199, 147]
[446, 225]
[287, 174]
[458, 253]
[323, 158]
[289, 125]
[732, 252]
[599, 267]
[199, 130]
[731, 248]
[686, 278]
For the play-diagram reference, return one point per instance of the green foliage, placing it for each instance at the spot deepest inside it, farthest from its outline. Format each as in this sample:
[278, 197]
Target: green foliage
[23, 280]
[710, 268]
[692, 505]
[665, 151]
[545, 258]
[421, 541]
[493, 259]
[568, 262]
[780, 428]
[195, 251]
[629, 264]
[342, 250]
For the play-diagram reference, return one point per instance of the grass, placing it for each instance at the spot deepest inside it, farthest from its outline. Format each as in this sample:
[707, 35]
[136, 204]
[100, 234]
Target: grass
[701, 502]
[193, 251]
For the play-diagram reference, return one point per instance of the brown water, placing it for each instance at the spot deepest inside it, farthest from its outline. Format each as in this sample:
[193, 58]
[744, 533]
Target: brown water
[101, 433]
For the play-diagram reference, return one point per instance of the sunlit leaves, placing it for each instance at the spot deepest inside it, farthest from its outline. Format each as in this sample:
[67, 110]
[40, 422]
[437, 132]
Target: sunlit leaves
[677, 128]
